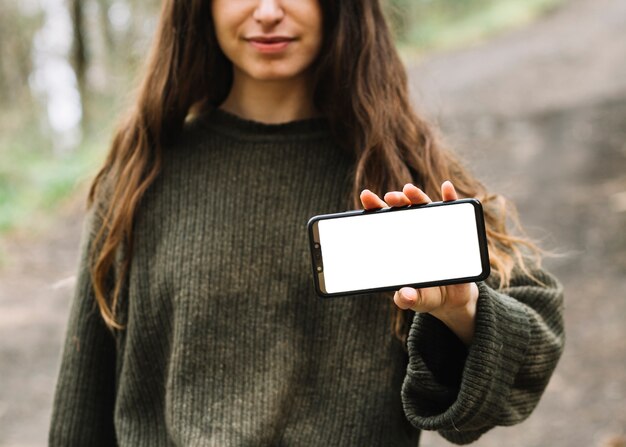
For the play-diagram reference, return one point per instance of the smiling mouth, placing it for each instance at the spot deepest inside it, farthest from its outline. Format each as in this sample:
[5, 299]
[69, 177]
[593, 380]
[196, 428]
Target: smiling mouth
[270, 39]
[271, 44]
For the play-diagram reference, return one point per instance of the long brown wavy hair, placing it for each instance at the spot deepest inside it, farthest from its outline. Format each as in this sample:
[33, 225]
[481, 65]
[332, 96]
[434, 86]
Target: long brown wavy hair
[360, 86]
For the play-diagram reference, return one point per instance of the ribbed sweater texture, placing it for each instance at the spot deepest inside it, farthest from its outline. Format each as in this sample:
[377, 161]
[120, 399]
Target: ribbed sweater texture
[226, 344]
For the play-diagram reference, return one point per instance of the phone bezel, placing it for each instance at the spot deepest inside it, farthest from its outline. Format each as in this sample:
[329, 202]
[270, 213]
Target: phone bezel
[482, 242]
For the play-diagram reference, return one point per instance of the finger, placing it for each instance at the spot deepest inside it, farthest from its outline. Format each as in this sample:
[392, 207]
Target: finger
[448, 192]
[415, 195]
[396, 198]
[371, 201]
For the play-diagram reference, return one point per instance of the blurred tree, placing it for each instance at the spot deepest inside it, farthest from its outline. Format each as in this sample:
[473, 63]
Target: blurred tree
[17, 29]
[105, 24]
[80, 55]
[79, 45]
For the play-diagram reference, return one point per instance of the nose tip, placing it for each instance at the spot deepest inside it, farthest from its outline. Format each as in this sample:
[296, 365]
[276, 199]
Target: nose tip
[269, 12]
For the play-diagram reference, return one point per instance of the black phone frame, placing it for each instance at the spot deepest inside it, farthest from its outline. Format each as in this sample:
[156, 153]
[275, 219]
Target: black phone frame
[482, 243]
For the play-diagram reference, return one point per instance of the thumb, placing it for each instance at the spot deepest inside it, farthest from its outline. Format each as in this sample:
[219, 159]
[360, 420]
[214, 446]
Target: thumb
[406, 298]
[419, 300]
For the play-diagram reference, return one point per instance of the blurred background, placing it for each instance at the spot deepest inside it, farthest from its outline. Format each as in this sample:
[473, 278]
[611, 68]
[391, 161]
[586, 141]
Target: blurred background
[531, 93]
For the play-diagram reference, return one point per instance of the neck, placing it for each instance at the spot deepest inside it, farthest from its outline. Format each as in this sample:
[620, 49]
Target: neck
[271, 102]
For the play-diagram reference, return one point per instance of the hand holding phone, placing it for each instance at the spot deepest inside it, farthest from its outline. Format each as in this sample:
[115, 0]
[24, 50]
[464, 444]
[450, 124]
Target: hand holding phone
[440, 248]
[454, 304]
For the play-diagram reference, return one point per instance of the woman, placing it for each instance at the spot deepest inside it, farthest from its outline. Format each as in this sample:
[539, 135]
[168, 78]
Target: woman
[253, 116]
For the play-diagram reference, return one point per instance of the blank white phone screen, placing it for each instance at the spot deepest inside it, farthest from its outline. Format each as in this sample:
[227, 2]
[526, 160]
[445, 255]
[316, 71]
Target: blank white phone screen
[399, 247]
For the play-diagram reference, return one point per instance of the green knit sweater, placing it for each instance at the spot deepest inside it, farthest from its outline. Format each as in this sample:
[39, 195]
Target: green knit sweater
[226, 344]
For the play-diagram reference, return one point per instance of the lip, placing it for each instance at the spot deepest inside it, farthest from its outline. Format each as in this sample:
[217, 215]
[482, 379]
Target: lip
[270, 44]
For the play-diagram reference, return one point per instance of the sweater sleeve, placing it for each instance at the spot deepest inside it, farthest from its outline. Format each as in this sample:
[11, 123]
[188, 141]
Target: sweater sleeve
[82, 412]
[498, 380]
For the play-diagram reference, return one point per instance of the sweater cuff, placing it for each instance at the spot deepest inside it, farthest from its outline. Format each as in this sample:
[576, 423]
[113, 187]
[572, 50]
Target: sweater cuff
[462, 411]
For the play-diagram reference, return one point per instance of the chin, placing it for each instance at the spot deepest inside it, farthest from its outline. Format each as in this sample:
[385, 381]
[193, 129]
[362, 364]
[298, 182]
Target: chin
[275, 77]
[274, 73]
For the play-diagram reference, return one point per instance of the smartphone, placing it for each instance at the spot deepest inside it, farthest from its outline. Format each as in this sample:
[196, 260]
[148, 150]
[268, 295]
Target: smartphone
[364, 251]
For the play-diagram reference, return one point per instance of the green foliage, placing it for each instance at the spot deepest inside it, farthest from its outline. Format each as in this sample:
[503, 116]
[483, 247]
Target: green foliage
[34, 181]
[423, 25]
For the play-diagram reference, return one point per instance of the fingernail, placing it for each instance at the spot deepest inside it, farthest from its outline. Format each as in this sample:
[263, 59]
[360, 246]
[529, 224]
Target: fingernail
[408, 293]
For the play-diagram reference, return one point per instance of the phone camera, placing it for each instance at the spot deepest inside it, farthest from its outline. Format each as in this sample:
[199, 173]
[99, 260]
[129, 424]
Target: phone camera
[317, 254]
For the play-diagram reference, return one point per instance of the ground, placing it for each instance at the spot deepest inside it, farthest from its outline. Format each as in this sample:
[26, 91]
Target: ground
[539, 114]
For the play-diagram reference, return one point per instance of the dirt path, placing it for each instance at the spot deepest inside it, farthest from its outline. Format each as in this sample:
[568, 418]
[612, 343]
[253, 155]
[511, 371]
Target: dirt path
[35, 292]
[540, 115]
